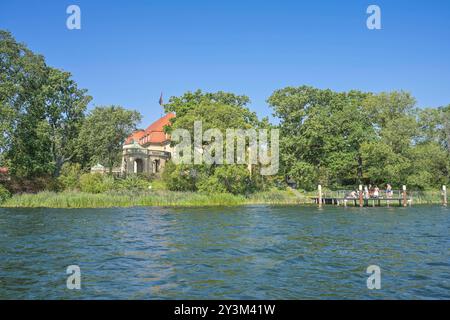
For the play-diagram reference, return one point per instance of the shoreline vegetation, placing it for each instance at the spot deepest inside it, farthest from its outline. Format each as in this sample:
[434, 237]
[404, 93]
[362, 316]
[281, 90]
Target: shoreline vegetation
[164, 198]
[51, 142]
[86, 200]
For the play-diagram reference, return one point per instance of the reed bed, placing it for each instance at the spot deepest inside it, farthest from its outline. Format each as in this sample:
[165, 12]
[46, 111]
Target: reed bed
[150, 198]
[162, 198]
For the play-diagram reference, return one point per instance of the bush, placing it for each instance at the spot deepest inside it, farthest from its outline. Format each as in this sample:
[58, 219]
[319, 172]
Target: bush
[4, 194]
[70, 175]
[96, 183]
[132, 182]
[180, 177]
[234, 179]
[211, 185]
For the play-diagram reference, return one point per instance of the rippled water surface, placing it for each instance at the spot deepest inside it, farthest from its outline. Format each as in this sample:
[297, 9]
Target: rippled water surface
[225, 253]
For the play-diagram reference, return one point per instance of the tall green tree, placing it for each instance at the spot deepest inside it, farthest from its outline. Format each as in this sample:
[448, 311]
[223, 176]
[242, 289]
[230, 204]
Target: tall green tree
[347, 138]
[103, 133]
[65, 107]
[22, 74]
[321, 135]
[435, 125]
[42, 111]
[191, 100]
[219, 111]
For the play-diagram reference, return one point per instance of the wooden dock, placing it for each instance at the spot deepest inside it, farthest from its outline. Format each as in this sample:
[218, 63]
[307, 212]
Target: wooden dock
[371, 202]
[363, 197]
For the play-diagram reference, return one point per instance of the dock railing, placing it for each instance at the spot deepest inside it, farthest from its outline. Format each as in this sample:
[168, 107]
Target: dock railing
[412, 196]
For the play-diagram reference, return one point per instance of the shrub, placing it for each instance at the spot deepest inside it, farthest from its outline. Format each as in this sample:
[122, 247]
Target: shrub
[70, 175]
[211, 185]
[4, 194]
[180, 177]
[96, 183]
[33, 184]
[234, 179]
[132, 182]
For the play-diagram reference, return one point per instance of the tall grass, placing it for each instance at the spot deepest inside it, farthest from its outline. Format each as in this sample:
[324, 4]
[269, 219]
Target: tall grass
[148, 198]
[73, 199]
[426, 197]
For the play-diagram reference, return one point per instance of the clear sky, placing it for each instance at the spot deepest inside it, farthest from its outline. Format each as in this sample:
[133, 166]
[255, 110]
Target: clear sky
[127, 52]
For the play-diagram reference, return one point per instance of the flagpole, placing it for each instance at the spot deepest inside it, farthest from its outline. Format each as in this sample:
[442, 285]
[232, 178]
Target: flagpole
[161, 102]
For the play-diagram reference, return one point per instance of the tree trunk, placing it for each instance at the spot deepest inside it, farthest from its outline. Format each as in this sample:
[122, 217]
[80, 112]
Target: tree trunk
[58, 165]
[360, 169]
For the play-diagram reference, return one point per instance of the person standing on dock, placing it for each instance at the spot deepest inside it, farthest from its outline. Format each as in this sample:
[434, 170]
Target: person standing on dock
[376, 192]
[388, 191]
[366, 192]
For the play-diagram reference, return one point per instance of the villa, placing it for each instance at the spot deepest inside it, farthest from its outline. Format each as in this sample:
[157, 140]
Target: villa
[147, 151]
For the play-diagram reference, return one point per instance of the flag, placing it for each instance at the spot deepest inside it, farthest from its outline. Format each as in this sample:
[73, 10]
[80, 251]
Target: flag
[161, 102]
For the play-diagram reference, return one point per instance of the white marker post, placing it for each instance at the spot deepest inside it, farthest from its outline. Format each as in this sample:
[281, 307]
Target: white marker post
[404, 196]
[444, 196]
[319, 188]
[360, 195]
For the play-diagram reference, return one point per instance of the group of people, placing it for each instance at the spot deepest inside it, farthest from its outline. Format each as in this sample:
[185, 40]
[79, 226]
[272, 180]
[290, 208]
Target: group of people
[370, 192]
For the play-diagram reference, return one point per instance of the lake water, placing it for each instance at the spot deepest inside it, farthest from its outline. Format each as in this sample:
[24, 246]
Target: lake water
[257, 252]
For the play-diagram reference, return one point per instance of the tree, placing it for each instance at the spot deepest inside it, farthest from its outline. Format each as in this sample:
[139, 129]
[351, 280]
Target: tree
[434, 126]
[191, 100]
[321, 135]
[103, 133]
[64, 111]
[22, 74]
[430, 166]
[348, 138]
[42, 111]
[219, 111]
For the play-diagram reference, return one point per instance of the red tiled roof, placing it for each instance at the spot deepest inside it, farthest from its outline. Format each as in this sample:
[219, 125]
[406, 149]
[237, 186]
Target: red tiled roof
[135, 136]
[154, 133]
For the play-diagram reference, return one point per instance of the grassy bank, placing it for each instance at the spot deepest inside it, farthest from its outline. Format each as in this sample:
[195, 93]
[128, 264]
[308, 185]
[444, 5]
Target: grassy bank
[150, 198]
[162, 198]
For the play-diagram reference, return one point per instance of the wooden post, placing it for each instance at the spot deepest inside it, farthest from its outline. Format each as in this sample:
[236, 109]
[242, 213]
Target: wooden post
[320, 195]
[444, 196]
[404, 196]
[360, 196]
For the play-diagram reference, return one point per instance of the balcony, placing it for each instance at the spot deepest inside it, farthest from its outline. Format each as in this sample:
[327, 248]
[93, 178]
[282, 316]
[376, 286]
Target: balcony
[136, 151]
[145, 153]
[157, 153]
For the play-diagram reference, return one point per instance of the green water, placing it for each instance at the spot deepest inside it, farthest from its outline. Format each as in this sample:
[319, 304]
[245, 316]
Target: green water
[258, 252]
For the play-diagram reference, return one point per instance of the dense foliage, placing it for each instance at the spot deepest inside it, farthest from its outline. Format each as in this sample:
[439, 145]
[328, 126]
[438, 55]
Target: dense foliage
[346, 138]
[44, 120]
[219, 111]
[49, 139]
[4, 194]
[103, 133]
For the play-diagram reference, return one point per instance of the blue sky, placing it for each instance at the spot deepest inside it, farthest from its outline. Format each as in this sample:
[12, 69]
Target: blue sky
[127, 52]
